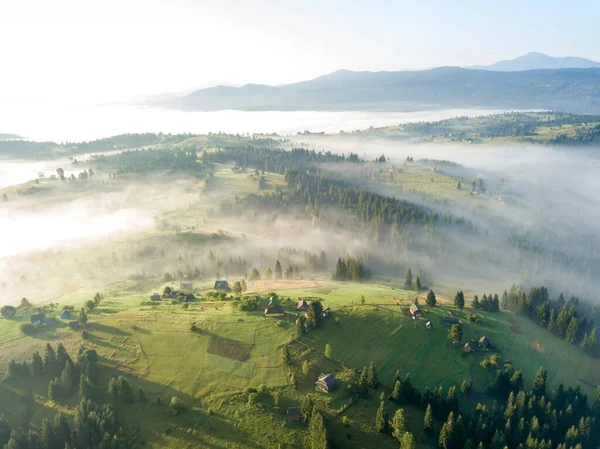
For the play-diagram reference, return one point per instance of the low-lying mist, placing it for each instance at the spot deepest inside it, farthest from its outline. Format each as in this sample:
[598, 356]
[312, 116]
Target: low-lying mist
[538, 200]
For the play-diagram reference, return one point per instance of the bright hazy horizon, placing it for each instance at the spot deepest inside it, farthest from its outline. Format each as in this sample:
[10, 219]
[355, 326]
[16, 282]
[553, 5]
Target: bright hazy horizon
[70, 52]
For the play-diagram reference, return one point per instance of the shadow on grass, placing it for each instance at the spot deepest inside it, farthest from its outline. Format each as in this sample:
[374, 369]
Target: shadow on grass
[97, 327]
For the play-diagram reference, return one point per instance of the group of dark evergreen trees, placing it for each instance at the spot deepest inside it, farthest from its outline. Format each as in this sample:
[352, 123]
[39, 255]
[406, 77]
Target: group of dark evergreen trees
[94, 426]
[568, 320]
[349, 269]
[525, 419]
[487, 302]
[144, 161]
[274, 160]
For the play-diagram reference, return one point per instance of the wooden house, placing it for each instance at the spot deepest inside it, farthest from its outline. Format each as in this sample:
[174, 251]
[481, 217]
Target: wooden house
[302, 305]
[469, 348]
[484, 342]
[415, 310]
[326, 382]
[38, 318]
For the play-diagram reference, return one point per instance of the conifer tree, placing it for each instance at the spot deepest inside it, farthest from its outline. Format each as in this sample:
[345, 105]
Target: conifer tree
[572, 329]
[125, 391]
[381, 418]
[362, 389]
[408, 441]
[447, 433]
[459, 299]
[428, 420]
[431, 301]
[37, 365]
[278, 272]
[62, 430]
[418, 284]
[141, 396]
[316, 437]
[398, 424]
[47, 434]
[396, 391]
[372, 379]
[539, 382]
[408, 280]
[113, 390]
[475, 303]
[49, 359]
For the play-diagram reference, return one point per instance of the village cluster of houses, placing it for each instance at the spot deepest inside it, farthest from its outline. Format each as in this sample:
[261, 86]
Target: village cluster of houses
[469, 347]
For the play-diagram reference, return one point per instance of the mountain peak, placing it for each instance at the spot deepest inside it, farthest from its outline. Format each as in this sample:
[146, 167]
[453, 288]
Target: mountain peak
[535, 61]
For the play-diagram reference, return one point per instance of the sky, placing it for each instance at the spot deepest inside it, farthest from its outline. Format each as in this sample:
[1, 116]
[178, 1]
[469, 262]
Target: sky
[84, 52]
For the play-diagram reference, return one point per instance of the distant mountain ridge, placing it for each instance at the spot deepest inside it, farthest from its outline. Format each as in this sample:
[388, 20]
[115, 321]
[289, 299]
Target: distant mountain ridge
[573, 90]
[537, 61]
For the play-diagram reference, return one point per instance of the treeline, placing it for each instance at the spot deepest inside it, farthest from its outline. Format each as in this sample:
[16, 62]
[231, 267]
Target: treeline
[349, 269]
[489, 303]
[144, 161]
[274, 159]
[123, 141]
[525, 419]
[567, 320]
[581, 137]
[94, 426]
[315, 187]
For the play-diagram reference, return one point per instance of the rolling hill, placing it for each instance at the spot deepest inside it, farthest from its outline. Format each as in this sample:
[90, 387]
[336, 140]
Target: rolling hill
[574, 90]
[538, 61]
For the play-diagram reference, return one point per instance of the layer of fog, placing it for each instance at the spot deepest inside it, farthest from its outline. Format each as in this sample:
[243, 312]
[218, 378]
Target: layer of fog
[58, 124]
[18, 171]
[550, 195]
[77, 216]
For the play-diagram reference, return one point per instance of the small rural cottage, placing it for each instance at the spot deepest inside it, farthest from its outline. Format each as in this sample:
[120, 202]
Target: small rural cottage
[326, 382]
[155, 297]
[39, 318]
[275, 311]
[302, 305]
[222, 286]
[428, 325]
[326, 312]
[65, 314]
[484, 342]
[415, 310]
[469, 347]
[294, 414]
[264, 304]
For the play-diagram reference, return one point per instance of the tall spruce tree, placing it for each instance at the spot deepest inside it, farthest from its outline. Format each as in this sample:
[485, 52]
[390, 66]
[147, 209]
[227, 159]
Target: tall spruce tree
[381, 418]
[431, 300]
[316, 436]
[398, 424]
[37, 365]
[428, 420]
[278, 271]
[459, 299]
[372, 379]
[408, 282]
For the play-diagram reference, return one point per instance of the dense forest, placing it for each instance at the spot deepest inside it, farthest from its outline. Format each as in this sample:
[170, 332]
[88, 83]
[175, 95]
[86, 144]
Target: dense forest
[570, 320]
[144, 161]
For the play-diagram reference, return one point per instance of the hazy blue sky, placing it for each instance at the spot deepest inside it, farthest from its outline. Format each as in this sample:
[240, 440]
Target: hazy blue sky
[104, 50]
